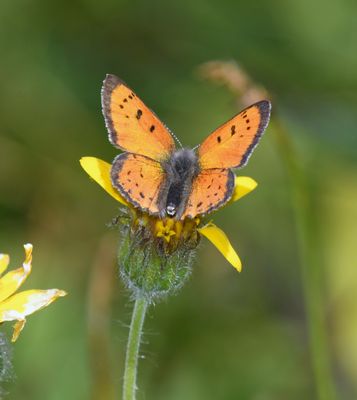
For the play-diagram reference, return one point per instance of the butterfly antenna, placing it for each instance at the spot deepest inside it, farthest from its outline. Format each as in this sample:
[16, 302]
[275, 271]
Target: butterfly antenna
[174, 136]
[177, 140]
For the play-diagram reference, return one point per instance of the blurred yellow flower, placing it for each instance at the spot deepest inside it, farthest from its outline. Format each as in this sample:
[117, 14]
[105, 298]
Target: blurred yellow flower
[16, 307]
[168, 228]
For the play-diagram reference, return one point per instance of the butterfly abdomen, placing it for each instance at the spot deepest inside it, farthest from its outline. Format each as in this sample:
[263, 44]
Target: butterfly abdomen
[181, 168]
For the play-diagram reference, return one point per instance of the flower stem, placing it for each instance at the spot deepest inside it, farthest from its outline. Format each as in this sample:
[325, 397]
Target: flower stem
[132, 349]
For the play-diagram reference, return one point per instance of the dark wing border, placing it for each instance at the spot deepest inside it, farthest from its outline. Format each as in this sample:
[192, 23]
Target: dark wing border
[110, 83]
[264, 107]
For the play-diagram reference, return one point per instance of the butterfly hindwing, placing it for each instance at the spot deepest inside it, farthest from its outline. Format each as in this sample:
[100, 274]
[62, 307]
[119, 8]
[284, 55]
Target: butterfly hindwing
[132, 126]
[210, 189]
[139, 180]
[231, 144]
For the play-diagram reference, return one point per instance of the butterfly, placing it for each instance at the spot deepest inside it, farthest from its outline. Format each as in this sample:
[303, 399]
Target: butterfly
[154, 176]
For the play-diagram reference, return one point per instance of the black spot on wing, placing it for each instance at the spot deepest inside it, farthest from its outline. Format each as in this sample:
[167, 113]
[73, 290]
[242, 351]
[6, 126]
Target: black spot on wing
[139, 113]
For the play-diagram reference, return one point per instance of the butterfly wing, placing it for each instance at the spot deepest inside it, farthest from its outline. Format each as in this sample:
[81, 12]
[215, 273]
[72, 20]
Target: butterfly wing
[227, 147]
[139, 180]
[231, 144]
[210, 190]
[131, 125]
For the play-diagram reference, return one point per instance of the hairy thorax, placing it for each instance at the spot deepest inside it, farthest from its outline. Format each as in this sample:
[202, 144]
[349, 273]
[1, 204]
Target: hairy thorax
[181, 168]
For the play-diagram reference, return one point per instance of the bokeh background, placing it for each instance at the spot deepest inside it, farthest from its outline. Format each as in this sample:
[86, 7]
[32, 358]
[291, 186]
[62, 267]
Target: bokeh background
[225, 335]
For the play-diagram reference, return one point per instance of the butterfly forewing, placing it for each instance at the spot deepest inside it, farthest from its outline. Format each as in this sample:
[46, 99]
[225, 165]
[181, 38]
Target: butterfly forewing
[231, 144]
[210, 189]
[132, 126]
[139, 180]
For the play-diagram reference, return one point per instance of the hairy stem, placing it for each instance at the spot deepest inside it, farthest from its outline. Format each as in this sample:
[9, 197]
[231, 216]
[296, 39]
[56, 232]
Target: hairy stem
[132, 350]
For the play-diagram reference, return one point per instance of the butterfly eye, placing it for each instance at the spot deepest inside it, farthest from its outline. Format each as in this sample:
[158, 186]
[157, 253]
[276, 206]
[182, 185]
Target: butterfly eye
[171, 210]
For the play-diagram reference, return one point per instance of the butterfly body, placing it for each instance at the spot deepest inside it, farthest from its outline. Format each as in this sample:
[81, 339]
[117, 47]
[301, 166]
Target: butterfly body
[181, 169]
[162, 181]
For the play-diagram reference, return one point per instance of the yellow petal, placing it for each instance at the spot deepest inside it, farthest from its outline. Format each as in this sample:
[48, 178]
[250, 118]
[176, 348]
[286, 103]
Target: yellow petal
[11, 281]
[18, 327]
[243, 185]
[99, 170]
[18, 306]
[4, 262]
[218, 238]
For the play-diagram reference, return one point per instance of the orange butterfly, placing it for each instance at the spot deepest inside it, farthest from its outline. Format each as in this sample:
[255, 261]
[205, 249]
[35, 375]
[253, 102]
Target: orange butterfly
[155, 177]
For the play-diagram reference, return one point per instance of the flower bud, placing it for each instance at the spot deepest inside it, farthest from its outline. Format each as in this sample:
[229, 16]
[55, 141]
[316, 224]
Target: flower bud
[155, 256]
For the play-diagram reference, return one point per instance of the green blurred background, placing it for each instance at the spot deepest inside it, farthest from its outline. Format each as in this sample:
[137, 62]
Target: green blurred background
[224, 336]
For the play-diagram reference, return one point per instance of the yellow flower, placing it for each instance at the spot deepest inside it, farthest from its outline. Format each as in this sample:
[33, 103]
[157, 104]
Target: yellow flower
[16, 307]
[165, 229]
[169, 229]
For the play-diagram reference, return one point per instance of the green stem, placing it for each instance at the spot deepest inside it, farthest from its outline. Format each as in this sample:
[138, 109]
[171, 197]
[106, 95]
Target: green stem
[238, 81]
[132, 349]
[312, 277]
